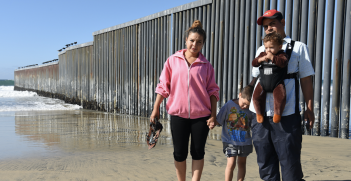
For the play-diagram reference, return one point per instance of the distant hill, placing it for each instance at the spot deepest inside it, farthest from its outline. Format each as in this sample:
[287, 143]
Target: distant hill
[7, 83]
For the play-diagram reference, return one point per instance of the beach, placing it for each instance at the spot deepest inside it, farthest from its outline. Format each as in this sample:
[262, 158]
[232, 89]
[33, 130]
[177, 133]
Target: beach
[91, 145]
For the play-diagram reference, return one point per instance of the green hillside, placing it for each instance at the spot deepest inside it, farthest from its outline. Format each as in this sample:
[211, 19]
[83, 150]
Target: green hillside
[7, 83]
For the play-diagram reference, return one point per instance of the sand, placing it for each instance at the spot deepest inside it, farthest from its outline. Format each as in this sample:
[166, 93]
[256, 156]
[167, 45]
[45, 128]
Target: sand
[88, 145]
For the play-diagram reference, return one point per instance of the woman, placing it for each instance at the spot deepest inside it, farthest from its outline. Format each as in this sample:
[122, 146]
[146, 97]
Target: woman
[188, 81]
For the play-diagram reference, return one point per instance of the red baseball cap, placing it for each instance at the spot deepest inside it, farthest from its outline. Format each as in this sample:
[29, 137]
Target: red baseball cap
[270, 14]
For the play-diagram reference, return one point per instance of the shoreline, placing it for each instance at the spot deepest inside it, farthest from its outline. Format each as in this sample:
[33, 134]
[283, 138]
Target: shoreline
[90, 145]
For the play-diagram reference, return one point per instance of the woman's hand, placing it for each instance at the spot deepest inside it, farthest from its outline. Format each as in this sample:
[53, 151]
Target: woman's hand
[212, 122]
[155, 114]
[156, 111]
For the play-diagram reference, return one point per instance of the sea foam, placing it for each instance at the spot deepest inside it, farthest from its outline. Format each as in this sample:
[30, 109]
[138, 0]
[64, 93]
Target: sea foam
[7, 91]
[11, 100]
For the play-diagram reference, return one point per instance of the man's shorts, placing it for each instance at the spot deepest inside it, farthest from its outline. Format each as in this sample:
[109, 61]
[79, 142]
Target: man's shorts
[233, 150]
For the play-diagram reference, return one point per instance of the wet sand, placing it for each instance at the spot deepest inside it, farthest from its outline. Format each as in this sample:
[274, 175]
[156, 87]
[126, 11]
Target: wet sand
[88, 145]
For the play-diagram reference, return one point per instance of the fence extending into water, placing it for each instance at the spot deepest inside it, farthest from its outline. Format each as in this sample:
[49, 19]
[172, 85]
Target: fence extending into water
[43, 79]
[118, 71]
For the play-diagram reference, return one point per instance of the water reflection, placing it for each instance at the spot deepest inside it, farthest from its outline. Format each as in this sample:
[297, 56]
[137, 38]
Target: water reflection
[86, 130]
[89, 130]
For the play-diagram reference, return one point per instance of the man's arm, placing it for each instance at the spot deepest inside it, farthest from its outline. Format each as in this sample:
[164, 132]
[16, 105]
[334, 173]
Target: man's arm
[253, 81]
[307, 90]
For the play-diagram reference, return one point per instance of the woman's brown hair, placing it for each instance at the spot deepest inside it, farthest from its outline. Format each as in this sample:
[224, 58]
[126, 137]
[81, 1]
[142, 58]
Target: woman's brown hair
[196, 28]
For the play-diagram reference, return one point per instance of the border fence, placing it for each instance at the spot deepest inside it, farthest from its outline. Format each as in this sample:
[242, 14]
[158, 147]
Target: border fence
[118, 71]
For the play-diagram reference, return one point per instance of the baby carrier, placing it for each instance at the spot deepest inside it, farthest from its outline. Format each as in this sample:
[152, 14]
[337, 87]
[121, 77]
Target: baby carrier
[271, 75]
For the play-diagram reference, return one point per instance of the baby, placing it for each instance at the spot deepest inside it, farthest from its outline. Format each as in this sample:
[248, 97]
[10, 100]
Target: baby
[273, 69]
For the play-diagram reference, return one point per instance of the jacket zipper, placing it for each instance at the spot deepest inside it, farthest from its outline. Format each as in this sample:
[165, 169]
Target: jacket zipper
[189, 67]
[186, 63]
[189, 88]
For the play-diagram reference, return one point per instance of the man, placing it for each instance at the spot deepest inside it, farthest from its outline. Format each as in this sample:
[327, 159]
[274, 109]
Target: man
[280, 143]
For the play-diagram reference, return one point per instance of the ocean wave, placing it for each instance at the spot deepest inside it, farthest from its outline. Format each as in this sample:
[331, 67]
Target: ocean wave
[7, 91]
[39, 107]
[6, 88]
[29, 101]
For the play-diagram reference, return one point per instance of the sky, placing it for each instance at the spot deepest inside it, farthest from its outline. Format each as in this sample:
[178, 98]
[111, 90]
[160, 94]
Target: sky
[32, 31]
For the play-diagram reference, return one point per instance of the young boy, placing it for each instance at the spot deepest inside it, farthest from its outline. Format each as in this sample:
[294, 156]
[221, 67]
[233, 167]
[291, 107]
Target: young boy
[235, 119]
[273, 69]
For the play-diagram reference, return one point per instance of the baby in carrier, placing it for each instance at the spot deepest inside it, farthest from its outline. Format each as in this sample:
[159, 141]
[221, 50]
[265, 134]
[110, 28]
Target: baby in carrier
[273, 68]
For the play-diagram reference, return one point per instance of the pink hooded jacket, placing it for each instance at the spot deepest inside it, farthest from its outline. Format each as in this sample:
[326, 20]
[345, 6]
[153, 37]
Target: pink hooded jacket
[188, 89]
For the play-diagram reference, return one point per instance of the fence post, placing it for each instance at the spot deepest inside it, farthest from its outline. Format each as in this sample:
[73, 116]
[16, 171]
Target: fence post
[337, 68]
[327, 66]
[345, 105]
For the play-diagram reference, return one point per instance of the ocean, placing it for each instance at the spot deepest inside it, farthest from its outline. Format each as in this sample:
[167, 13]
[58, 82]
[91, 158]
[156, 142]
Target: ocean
[15, 101]
[11, 100]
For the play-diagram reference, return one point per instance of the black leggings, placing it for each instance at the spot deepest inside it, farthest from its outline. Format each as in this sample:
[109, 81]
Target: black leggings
[181, 129]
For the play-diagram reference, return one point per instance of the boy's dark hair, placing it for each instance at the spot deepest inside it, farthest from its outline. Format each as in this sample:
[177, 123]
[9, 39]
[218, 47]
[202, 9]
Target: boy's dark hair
[274, 37]
[246, 92]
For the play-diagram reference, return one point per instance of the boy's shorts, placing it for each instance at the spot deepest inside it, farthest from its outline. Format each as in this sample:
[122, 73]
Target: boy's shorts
[233, 150]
